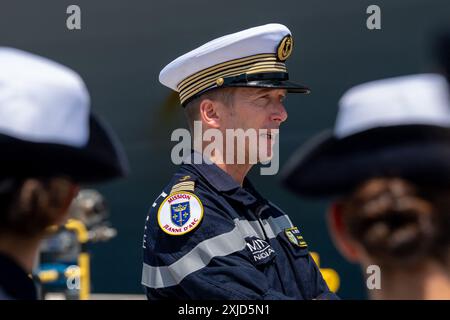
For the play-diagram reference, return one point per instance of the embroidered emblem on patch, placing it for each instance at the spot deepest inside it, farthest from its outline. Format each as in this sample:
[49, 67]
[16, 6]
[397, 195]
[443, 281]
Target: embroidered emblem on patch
[285, 48]
[294, 236]
[180, 213]
[261, 251]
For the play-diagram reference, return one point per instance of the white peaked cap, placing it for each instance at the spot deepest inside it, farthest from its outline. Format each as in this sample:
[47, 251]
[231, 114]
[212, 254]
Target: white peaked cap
[46, 126]
[252, 57]
[398, 127]
[41, 100]
[414, 99]
[257, 40]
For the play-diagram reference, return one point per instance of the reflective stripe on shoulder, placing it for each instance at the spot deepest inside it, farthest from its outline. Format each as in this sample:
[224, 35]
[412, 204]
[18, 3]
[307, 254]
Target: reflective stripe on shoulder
[218, 246]
[273, 226]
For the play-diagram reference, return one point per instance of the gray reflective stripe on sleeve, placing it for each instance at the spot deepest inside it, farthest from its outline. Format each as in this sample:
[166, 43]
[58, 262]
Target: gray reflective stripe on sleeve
[272, 226]
[205, 251]
[252, 226]
[196, 259]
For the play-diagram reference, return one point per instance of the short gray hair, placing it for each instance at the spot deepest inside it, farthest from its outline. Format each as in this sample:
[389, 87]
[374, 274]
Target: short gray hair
[192, 108]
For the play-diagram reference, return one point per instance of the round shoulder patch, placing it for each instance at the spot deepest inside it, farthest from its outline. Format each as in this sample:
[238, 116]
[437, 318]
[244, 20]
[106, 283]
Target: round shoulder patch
[180, 213]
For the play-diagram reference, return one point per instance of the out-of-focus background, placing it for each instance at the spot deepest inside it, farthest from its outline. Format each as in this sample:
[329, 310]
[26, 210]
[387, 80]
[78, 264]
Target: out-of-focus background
[122, 46]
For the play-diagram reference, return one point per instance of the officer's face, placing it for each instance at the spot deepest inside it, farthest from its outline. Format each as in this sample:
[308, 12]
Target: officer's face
[256, 108]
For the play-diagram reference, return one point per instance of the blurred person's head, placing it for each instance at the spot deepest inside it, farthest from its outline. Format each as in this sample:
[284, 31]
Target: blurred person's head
[50, 143]
[29, 206]
[401, 227]
[386, 164]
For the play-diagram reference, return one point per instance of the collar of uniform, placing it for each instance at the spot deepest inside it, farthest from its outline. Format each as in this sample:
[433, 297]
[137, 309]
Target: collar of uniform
[222, 181]
[14, 281]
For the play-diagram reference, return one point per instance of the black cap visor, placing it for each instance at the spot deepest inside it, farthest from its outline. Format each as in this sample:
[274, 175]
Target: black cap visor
[101, 159]
[290, 86]
[328, 166]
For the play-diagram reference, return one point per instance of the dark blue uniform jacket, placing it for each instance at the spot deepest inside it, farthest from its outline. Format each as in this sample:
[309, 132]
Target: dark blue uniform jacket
[244, 247]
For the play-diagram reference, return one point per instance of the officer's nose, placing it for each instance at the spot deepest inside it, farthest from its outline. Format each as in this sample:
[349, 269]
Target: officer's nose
[279, 114]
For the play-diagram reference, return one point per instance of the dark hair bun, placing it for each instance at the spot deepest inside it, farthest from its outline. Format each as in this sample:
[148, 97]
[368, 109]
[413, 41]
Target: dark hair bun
[391, 221]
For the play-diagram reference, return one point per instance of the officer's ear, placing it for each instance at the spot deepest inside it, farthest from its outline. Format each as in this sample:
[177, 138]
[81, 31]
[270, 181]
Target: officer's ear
[209, 113]
[340, 235]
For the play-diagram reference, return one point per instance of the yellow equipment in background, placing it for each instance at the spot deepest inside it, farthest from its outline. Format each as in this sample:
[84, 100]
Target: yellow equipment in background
[330, 276]
[64, 266]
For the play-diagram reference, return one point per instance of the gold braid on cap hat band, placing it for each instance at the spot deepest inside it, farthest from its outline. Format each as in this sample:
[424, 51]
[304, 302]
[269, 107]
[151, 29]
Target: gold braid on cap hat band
[214, 75]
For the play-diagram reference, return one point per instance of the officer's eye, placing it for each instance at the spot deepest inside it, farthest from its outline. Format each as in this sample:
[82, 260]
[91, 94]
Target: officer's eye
[263, 100]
